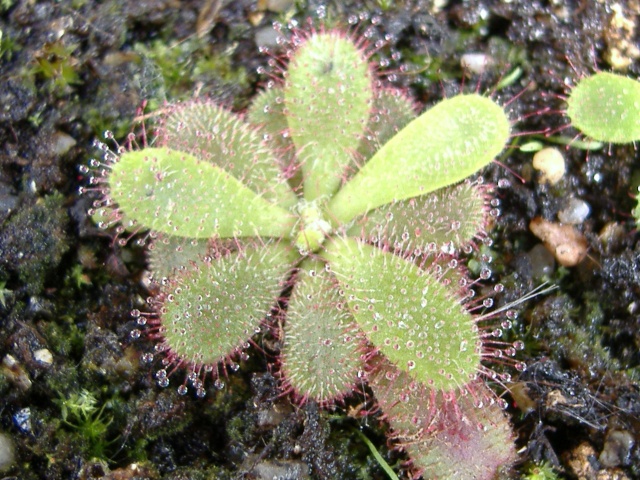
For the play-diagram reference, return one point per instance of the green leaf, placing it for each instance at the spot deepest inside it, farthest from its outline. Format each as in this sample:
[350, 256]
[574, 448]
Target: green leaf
[209, 132]
[451, 216]
[606, 108]
[328, 95]
[415, 320]
[213, 309]
[168, 254]
[266, 112]
[445, 439]
[320, 358]
[442, 146]
[173, 192]
[392, 111]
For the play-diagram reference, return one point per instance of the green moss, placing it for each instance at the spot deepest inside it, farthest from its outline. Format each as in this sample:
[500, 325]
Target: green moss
[182, 65]
[56, 64]
[8, 46]
[540, 471]
[82, 413]
[571, 332]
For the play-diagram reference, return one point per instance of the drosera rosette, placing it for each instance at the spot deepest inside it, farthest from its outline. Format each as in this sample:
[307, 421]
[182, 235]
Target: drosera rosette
[330, 210]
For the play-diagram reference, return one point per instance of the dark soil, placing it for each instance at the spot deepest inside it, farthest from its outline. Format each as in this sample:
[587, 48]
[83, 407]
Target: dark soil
[71, 69]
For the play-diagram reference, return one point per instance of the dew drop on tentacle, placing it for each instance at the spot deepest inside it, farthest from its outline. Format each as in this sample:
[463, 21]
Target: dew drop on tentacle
[504, 183]
[161, 377]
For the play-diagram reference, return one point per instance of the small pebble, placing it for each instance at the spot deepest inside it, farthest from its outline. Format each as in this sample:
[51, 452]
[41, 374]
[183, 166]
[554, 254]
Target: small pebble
[550, 163]
[542, 261]
[7, 452]
[22, 420]
[475, 62]
[278, 6]
[61, 143]
[15, 373]
[575, 211]
[43, 356]
[568, 245]
[617, 448]
[611, 234]
[267, 37]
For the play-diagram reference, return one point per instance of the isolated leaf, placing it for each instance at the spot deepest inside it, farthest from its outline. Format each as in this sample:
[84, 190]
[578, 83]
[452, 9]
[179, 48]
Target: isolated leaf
[606, 107]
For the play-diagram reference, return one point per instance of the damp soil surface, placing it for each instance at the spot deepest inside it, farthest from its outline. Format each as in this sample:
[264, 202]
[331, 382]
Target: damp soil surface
[77, 399]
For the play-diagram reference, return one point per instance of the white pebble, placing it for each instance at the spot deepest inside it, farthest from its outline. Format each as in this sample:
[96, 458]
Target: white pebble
[575, 212]
[550, 163]
[266, 37]
[61, 143]
[475, 62]
[7, 452]
[43, 356]
[279, 6]
[542, 261]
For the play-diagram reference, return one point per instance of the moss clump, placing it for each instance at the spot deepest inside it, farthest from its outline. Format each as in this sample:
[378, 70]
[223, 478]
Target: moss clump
[33, 241]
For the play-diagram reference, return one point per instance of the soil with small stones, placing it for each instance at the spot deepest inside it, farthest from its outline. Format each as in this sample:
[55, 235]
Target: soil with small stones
[71, 69]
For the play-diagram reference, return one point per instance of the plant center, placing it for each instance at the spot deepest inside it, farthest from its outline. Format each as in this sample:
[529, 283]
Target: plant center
[312, 227]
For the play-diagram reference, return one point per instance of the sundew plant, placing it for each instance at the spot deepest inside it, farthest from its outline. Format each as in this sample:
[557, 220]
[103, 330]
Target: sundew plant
[333, 215]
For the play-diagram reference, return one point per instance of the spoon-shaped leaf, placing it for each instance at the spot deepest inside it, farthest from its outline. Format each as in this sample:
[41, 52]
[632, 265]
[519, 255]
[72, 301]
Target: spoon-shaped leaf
[415, 320]
[606, 108]
[174, 193]
[445, 439]
[320, 359]
[212, 133]
[453, 215]
[444, 145]
[210, 312]
[328, 96]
